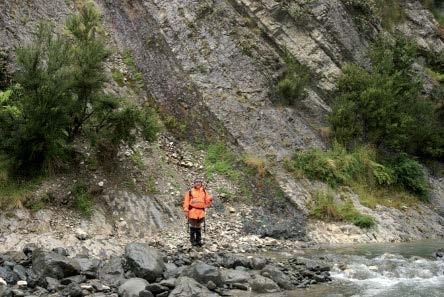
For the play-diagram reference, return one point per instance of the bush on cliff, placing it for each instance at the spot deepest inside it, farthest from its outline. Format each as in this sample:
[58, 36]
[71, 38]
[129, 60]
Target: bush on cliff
[59, 95]
[384, 106]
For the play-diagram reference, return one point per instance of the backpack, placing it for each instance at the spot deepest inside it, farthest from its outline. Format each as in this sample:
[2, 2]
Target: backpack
[191, 196]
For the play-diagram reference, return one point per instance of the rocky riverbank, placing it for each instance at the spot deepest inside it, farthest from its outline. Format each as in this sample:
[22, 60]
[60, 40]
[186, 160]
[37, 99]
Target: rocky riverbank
[146, 271]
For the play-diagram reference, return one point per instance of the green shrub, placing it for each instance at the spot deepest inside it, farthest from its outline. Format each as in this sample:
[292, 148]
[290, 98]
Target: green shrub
[410, 175]
[326, 208]
[363, 221]
[4, 74]
[83, 200]
[384, 106]
[291, 88]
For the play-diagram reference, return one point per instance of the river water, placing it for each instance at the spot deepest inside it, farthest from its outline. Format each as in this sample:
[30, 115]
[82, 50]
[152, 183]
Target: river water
[379, 270]
[383, 270]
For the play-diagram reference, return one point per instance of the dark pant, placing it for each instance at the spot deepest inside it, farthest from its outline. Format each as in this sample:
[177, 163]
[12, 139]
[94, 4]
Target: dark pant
[196, 231]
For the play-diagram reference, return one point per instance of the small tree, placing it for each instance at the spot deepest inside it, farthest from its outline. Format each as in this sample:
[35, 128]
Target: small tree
[59, 96]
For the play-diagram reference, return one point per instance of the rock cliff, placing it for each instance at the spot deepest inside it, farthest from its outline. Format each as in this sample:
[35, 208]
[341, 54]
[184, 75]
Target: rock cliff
[212, 66]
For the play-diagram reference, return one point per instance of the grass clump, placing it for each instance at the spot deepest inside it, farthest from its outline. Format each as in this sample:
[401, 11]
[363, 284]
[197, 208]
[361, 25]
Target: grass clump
[15, 192]
[136, 78]
[338, 167]
[150, 186]
[83, 201]
[118, 77]
[326, 208]
[137, 159]
[390, 12]
[257, 165]
[298, 10]
[225, 194]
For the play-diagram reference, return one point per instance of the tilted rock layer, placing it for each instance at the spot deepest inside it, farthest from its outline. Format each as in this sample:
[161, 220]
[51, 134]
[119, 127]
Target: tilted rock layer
[213, 64]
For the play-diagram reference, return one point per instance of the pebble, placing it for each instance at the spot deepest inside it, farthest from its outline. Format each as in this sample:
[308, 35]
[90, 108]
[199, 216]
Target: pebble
[2, 282]
[81, 234]
[22, 284]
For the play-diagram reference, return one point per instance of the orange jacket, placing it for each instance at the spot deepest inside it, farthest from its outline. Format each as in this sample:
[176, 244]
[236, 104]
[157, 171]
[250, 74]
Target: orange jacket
[194, 205]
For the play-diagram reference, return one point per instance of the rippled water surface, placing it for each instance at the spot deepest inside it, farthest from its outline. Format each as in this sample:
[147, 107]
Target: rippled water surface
[383, 270]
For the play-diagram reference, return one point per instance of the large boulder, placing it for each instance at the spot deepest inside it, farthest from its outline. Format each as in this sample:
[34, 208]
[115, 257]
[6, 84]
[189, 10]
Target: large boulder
[9, 276]
[72, 290]
[132, 287]
[258, 263]
[235, 276]
[278, 276]
[186, 287]
[203, 273]
[261, 284]
[53, 265]
[112, 272]
[88, 267]
[146, 262]
[20, 271]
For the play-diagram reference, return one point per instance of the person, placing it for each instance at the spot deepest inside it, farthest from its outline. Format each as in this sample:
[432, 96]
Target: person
[195, 201]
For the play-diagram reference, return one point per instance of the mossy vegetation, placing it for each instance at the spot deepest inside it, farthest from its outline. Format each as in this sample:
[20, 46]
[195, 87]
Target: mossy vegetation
[221, 160]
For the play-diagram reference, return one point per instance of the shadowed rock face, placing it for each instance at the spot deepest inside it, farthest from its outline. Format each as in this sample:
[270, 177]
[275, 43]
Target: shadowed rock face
[51, 264]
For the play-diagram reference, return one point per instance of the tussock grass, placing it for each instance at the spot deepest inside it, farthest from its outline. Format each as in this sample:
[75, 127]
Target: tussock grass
[257, 164]
[327, 208]
[397, 182]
